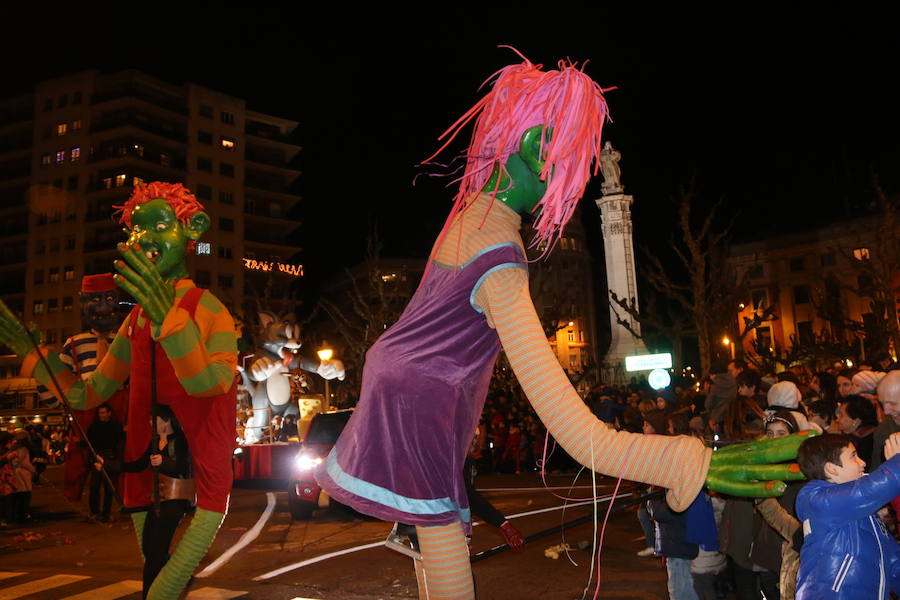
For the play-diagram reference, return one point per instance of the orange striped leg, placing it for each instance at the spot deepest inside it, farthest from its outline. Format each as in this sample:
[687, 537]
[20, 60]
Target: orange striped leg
[445, 556]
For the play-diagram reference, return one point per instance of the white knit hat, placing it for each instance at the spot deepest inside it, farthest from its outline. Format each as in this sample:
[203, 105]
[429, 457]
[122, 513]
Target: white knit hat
[866, 382]
[784, 394]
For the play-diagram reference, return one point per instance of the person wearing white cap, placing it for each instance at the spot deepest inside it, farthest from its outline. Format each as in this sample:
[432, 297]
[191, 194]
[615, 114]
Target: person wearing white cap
[786, 395]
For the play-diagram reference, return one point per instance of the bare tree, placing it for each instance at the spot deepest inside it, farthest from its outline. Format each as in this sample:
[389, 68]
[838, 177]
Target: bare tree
[709, 291]
[374, 302]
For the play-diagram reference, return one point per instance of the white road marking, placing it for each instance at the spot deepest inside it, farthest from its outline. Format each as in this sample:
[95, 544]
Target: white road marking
[210, 593]
[249, 535]
[39, 585]
[110, 592]
[316, 559]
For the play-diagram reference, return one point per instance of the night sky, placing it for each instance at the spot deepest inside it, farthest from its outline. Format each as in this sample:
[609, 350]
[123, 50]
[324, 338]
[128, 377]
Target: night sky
[783, 118]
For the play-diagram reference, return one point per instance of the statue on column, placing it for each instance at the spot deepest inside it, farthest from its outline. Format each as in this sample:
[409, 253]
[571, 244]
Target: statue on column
[609, 166]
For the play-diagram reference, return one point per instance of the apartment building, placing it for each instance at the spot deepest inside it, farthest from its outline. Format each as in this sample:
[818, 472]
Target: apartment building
[74, 148]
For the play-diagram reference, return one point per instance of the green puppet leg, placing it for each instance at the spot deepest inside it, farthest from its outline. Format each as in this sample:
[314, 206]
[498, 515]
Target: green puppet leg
[199, 536]
[139, 519]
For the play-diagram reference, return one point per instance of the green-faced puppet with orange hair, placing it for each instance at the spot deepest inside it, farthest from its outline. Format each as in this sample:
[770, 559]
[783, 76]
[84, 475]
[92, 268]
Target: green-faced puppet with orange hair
[179, 342]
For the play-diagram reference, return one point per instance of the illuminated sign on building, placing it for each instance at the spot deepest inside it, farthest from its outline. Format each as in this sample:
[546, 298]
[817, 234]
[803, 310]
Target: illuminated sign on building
[648, 362]
[271, 265]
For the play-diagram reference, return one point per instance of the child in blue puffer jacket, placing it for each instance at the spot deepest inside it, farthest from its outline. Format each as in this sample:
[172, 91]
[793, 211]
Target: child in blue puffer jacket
[847, 552]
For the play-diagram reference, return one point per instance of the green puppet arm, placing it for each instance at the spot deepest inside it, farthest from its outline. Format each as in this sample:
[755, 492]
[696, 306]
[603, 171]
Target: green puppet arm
[199, 536]
[751, 469]
[14, 335]
[140, 278]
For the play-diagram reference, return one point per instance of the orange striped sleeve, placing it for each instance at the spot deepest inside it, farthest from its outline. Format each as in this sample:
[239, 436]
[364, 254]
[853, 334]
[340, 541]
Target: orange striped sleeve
[677, 463]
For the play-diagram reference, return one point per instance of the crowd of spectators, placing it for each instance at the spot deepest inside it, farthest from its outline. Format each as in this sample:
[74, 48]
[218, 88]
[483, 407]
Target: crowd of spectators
[755, 552]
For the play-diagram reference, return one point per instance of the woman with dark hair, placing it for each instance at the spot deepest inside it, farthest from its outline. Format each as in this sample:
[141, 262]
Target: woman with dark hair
[743, 419]
[825, 386]
[858, 419]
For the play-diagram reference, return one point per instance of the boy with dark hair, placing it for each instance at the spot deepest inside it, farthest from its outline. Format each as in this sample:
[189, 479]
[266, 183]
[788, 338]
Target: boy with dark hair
[847, 552]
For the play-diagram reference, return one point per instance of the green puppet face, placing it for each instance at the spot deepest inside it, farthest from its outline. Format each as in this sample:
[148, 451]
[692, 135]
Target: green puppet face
[520, 186]
[164, 238]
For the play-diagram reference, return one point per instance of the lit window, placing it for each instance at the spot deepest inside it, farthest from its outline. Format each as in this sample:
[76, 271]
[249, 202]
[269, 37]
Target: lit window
[106, 183]
[69, 273]
[75, 153]
[38, 307]
[120, 179]
[67, 304]
[54, 275]
[136, 181]
[138, 149]
[60, 157]
[76, 125]
[564, 243]
[227, 143]
[203, 248]
[62, 128]
[46, 160]
[861, 253]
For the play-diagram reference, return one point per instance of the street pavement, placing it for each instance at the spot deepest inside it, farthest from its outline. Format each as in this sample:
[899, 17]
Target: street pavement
[261, 553]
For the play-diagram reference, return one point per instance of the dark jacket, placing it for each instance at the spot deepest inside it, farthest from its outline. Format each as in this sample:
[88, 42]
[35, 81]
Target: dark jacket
[671, 531]
[847, 552]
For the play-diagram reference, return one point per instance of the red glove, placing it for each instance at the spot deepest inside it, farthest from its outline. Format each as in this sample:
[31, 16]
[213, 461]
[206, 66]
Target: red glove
[512, 536]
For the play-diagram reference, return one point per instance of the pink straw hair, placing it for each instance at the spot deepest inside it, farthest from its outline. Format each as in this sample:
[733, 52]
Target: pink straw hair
[566, 101]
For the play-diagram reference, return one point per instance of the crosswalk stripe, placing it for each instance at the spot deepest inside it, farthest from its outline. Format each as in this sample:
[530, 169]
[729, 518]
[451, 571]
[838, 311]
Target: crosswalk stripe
[211, 593]
[9, 574]
[39, 585]
[113, 591]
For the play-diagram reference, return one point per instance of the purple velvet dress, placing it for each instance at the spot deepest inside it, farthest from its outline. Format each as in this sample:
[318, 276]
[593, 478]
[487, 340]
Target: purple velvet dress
[401, 456]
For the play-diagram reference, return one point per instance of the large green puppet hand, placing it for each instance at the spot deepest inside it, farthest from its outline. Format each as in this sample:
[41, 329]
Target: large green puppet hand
[139, 277]
[752, 469]
[14, 335]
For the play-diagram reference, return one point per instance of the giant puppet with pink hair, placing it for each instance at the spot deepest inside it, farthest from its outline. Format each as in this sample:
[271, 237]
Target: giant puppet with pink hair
[536, 143]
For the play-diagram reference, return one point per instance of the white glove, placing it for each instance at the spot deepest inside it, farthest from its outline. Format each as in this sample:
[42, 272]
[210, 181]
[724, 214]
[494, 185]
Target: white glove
[330, 369]
[263, 368]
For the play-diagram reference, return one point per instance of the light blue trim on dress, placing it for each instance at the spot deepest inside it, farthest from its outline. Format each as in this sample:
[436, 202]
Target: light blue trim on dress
[485, 276]
[480, 253]
[384, 496]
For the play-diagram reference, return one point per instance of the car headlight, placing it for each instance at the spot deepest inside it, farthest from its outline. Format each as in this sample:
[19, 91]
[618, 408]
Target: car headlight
[304, 462]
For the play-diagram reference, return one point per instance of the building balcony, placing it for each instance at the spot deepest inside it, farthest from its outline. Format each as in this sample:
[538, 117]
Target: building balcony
[270, 133]
[134, 92]
[139, 122]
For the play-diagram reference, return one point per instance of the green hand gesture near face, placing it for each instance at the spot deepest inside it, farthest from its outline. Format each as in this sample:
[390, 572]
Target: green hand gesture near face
[755, 469]
[154, 255]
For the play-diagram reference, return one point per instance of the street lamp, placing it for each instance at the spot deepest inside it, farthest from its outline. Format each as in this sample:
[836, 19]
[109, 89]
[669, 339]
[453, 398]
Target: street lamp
[727, 342]
[325, 353]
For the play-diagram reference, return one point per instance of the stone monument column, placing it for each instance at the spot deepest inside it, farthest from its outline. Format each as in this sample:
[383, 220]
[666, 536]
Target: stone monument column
[615, 214]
